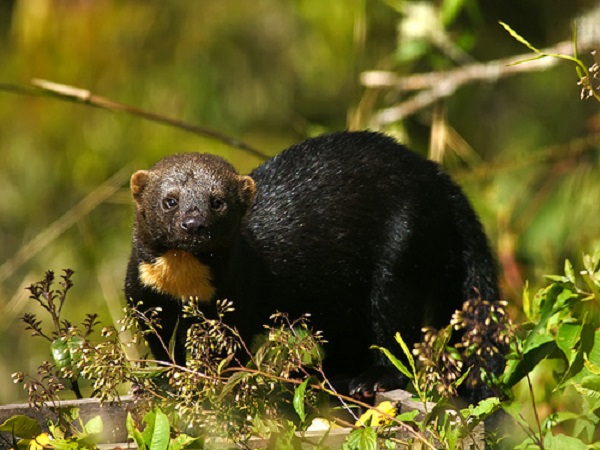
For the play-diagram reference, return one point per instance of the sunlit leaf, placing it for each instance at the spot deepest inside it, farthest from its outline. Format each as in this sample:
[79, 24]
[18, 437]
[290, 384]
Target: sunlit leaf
[569, 272]
[232, 382]
[21, 426]
[485, 407]
[161, 434]
[299, 396]
[519, 38]
[406, 351]
[395, 361]
[133, 432]
[94, 425]
[361, 439]
[567, 337]
[562, 442]
[517, 369]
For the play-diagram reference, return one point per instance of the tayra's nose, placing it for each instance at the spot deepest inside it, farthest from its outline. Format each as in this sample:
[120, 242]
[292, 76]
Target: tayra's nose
[192, 224]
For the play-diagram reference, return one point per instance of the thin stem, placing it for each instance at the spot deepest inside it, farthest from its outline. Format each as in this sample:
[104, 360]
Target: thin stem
[539, 439]
[74, 94]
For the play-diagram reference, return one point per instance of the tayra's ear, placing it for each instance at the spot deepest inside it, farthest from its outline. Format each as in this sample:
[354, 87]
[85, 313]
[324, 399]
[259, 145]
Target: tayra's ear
[247, 190]
[139, 181]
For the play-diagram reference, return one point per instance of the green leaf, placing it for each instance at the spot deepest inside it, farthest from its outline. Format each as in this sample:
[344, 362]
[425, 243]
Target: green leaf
[569, 272]
[517, 369]
[567, 337]
[134, 433]
[538, 338]
[21, 426]
[562, 442]
[519, 38]
[148, 431]
[183, 440]
[299, 395]
[485, 407]
[408, 416]
[65, 350]
[592, 368]
[161, 431]
[527, 304]
[60, 353]
[224, 363]
[94, 426]
[463, 377]
[395, 361]
[232, 382]
[406, 351]
[361, 439]
[594, 353]
[562, 300]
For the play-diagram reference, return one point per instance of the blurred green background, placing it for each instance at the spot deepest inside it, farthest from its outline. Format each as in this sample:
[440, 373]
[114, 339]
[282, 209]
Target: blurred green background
[525, 148]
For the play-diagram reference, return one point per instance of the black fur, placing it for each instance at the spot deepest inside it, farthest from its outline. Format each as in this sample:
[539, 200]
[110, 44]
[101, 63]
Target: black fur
[367, 236]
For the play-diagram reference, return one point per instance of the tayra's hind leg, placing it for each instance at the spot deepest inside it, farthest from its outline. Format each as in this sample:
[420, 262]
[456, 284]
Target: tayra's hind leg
[409, 291]
[395, 306]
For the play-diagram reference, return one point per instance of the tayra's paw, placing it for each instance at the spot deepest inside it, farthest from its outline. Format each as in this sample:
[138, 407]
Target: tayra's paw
[377, 379]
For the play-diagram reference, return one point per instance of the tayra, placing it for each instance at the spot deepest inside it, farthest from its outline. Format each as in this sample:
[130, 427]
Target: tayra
[351, 227]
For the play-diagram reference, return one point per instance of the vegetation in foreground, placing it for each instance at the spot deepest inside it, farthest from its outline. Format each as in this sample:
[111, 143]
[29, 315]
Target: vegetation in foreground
[216, 401]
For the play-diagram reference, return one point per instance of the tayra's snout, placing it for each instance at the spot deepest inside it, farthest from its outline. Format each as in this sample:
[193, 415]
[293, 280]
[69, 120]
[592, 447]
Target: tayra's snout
[193, 223]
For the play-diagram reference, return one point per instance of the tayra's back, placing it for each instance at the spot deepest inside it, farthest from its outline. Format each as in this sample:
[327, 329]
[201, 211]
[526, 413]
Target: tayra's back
[368, 237]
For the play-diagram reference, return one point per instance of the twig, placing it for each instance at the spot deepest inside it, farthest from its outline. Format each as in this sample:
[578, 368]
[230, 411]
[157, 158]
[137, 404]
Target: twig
[74, 94]
[539, 440]
[437, 85]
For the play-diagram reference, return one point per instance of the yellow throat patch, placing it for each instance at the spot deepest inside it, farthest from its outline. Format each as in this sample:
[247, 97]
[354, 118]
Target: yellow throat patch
[178, 274]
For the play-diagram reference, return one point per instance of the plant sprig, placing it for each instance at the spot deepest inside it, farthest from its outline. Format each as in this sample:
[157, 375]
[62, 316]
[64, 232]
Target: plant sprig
[589, 78]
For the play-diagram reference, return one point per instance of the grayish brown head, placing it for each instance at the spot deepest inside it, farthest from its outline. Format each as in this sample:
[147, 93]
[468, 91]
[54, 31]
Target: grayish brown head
[192, 202]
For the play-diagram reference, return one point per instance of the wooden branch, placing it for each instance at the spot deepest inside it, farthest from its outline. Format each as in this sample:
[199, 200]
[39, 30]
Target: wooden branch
[437, 85]
[74, 94]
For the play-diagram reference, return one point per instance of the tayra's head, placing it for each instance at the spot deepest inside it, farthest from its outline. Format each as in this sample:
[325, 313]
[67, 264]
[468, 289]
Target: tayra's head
[192, 202]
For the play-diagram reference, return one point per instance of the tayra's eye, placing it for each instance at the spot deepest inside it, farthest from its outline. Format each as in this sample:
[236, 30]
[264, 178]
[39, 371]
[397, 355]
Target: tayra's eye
[169, 203]
[217, 204]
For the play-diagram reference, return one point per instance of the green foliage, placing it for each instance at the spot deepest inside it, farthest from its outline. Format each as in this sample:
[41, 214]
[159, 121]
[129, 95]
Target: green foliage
[22, 427]
[214, 395]
[563, 323]
[282, 389]
[275, 396]
[361, 439]
[69, 433]
[156, 433]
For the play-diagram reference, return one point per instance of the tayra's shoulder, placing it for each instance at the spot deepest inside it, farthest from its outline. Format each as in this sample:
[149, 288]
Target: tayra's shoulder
[349, 150]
